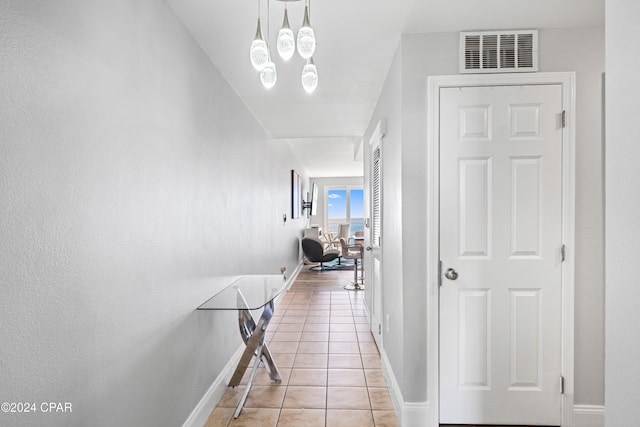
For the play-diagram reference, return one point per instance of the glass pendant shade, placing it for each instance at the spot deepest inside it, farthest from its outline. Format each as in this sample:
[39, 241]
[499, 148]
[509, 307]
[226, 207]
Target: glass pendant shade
[268, 75]
[306, 38]
[259, 52]
[310, 76]
[286, 42]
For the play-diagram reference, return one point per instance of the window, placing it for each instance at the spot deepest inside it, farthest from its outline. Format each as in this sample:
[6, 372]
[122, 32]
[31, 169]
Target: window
[345, 205]
[356, 211]
[336, 209]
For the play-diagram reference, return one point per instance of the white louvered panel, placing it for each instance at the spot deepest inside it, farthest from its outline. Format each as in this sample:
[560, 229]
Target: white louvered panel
[490, 51]
[498, 51]
[376, 197]
[507, 50]
[472, 52]
[526, 47]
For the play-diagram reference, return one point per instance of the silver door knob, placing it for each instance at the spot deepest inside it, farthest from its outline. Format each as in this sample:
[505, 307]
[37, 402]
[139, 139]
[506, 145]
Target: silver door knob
[451, 274]
[368, 248]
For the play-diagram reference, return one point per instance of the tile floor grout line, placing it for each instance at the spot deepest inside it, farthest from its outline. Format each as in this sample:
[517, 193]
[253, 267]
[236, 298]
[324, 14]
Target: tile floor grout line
[308, 303]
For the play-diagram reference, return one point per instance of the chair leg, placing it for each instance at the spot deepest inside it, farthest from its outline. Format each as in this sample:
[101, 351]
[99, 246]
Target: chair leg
[355, 271]
[321, 267]
[355, 285]
[360, 285]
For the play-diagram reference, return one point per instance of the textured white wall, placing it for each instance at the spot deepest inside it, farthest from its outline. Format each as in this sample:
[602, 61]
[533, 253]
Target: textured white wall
[622, 381]
[425, 55]
[130, 173]
[580, 50]
[389, 108]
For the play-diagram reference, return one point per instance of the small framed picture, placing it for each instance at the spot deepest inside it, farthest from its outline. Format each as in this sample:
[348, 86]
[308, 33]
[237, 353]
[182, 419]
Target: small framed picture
[296, 195]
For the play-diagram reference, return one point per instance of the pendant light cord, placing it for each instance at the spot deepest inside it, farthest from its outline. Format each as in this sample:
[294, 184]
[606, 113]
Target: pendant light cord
[268, 25]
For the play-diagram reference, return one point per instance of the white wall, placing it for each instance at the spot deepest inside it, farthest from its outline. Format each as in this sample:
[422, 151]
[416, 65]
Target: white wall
[389, 108]
[130, 173]
[623, 222]
[582, 51]
[422, 55]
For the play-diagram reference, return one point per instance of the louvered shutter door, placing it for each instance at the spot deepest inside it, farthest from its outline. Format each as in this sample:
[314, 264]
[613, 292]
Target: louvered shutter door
[376, 197]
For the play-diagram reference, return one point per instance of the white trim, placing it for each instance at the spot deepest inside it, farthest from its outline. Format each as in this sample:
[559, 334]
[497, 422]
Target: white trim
[416, 415]
[434, 84]
[392, 383]
[433, 256]
[202, 411]
[410, 414]
[206, 405]
[376, 322]
[295, 273]
[588, 416]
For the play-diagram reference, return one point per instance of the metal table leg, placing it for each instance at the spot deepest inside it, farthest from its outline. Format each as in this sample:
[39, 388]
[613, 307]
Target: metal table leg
[253, 337]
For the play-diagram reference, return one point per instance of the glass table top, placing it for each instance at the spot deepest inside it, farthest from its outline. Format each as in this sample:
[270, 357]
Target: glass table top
[246, 292]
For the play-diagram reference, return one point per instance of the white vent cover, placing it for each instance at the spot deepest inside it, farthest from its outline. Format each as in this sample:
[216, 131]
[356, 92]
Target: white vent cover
[499, 51]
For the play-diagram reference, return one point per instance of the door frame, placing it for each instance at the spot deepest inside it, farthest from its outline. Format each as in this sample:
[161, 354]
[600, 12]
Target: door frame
[374, 296]
[434, 84]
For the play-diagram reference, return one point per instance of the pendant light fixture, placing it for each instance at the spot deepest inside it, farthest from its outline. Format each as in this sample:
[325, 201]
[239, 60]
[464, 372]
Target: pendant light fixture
[259, 53]
[268, 74]
[286, 43]
[310, 76]
[306, 38]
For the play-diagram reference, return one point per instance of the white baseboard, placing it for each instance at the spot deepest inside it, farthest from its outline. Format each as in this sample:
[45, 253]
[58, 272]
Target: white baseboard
[415, 415]
[410, 414]
[392, 383]
[588, 416]
[295, 273]
[202, 411]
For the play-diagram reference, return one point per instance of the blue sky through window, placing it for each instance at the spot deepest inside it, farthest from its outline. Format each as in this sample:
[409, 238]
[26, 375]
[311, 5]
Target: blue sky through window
[357, 203]
[337, 209]
[337, 203]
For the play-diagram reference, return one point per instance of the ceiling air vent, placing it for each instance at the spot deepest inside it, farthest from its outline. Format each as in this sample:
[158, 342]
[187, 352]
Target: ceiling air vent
[499, 51]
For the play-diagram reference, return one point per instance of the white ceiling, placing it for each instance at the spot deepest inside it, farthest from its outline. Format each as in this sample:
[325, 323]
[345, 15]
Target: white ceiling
[356, 43]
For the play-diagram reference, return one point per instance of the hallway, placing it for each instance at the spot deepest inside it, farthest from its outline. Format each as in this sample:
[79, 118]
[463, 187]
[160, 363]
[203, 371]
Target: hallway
[330, 365]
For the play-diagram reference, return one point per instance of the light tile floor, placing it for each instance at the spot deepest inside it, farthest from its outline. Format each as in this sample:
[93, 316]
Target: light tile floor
[330, 368]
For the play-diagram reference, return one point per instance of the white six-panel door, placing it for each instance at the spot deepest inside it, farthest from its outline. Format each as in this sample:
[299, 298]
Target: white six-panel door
[501, 233]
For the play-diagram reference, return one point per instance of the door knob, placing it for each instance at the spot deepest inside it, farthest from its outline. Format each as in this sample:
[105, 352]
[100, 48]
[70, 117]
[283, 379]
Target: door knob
[451, 274]
[368, 248]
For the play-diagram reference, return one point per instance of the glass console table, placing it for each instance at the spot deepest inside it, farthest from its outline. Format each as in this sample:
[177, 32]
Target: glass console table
[243, 294]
